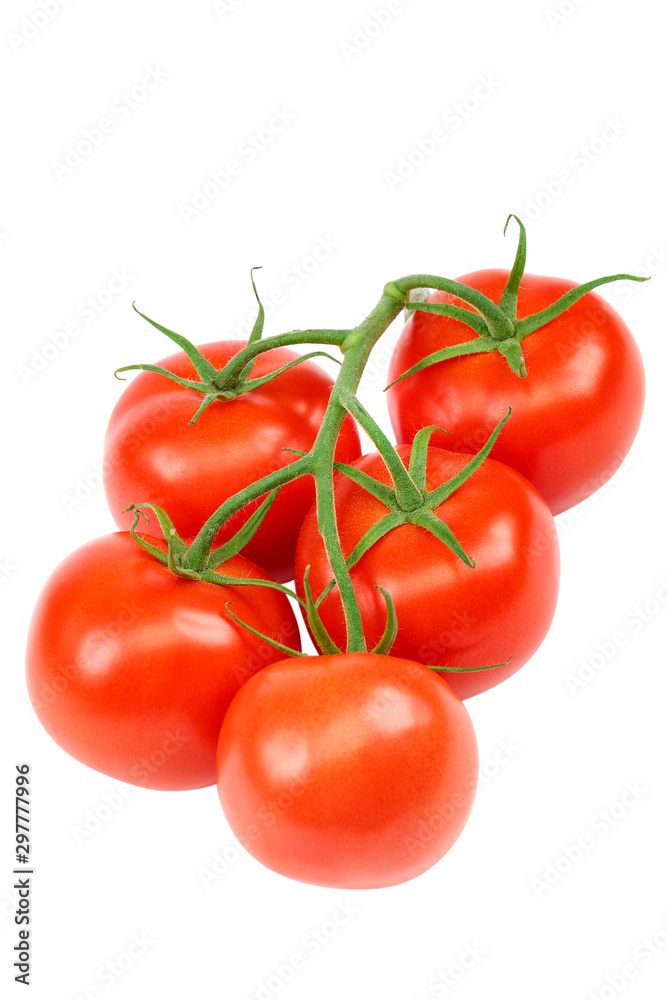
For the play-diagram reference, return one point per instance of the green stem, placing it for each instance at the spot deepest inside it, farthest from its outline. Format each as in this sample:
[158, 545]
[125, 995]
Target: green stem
[497, 329]
[198, 554]
[235, 366]
[499, 325]
[356, 345]
[407, 493]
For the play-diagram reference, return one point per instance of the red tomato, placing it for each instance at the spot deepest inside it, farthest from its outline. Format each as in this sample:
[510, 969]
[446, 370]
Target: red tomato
[448, 613]
[153, 455]
[575, 415]
[355, 771]
[131, 669]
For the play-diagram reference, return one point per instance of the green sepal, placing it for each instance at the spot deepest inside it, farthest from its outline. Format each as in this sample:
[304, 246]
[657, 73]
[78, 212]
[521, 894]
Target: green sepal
[408, 496]
[391, 628]
[205, 403]
[255, 383]
[511, 351]
[467, 670]
[176, 547]
[561, 305]
[439, 495]
[379, 490]
[152, 549]
[483, 345]
[431, 522]
[419, 454]
[244, 534]
[206, 371]
[258, 328]
[315, 623]
[471, 319]
[374, 534]
[508, 300]
[415, 295]
[186, 383]
[260, 635]
[222, 580]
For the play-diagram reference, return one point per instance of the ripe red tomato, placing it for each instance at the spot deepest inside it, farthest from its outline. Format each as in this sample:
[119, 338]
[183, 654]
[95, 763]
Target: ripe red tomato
[355, 771]
[130, 668]
[575, 415]
[448, 613]
[153, 455]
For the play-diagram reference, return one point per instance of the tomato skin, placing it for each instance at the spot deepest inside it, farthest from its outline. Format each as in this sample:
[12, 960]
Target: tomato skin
[448, 614]
[575, 415]
[153, 455]
[131, 669]
[354, 771]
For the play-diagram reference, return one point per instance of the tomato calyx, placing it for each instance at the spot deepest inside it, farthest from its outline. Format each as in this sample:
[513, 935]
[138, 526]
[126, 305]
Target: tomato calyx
[409, 501]
[318, 630]
[326, 645]
[234, 378]
[496, 326]
[178, 557]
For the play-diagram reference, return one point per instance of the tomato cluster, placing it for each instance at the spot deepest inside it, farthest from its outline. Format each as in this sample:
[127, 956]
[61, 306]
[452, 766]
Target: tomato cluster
[168, 654]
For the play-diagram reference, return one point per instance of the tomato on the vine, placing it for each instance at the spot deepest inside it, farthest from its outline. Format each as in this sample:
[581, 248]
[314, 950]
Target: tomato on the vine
[154, 455]
[575, 414]
[448, 613]
[131, 669]
[352, 770]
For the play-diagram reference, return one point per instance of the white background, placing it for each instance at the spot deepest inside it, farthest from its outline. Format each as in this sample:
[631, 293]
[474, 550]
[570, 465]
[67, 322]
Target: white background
[551, 86]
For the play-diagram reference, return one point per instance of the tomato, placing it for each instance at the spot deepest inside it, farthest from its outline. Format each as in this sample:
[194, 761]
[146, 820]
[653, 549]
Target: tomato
[131, 669]
[153, 455]
[448, 613]
[575, 414]
[355, 771]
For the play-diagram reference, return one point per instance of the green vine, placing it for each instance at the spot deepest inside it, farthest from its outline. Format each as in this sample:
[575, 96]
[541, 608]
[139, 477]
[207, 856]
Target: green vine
[496, 328]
